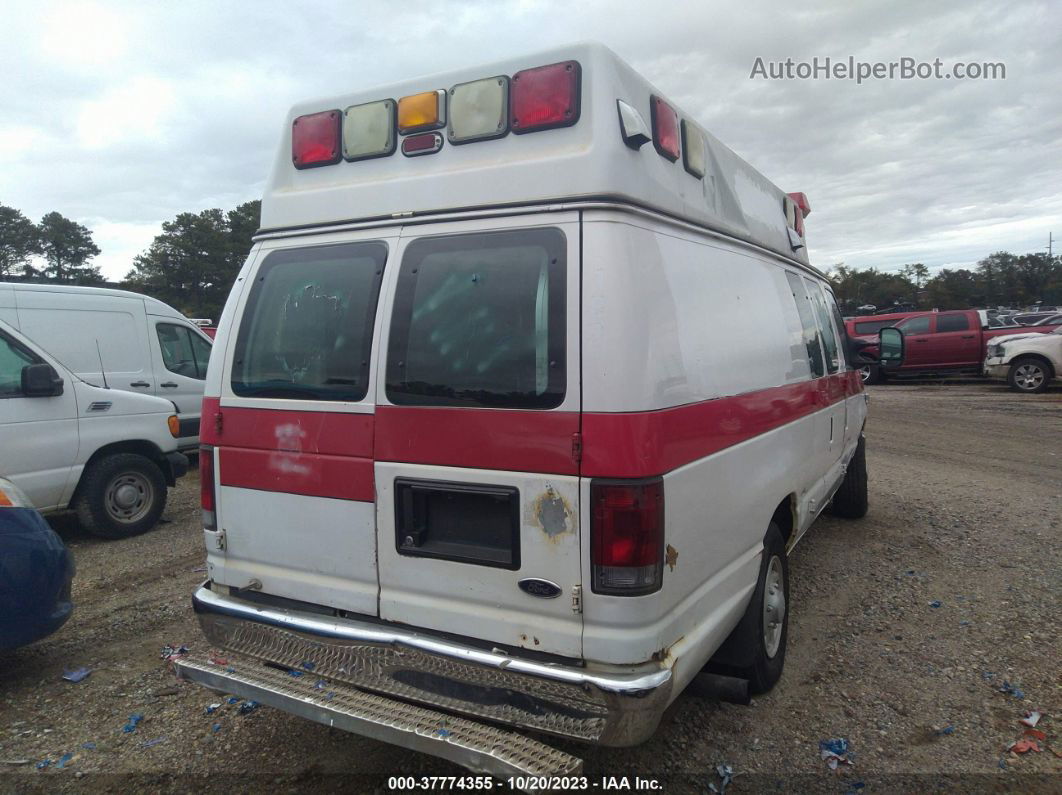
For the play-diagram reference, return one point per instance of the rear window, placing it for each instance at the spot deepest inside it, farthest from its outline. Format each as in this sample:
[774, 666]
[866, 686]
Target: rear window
[479, 320]
[306, 332]
[952, 323]
[871, 326]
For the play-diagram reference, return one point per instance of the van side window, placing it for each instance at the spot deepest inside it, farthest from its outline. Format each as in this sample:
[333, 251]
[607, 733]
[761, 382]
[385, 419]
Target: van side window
[952, 323]
[183, 352]
[479, 320]
[829, 334]
[807, 321]
[306, 332]
[13, 357]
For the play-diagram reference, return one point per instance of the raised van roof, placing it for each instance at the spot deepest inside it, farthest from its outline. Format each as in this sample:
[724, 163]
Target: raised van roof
[586, 159]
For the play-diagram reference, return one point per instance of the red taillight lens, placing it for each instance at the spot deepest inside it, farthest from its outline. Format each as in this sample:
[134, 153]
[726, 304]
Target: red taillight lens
[423, 144]
[315, 139]
[206, 487]
[665, 128]
[545, 97]
[627, 536]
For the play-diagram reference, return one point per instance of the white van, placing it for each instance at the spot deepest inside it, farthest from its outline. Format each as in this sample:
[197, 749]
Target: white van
[145, 345]
[108, 454]
[517, 424]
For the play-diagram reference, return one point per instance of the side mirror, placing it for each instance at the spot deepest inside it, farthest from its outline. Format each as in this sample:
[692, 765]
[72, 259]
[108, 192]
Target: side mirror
[41, 380]
[890, 348]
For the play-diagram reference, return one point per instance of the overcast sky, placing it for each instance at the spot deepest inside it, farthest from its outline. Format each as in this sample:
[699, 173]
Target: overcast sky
[121, 115]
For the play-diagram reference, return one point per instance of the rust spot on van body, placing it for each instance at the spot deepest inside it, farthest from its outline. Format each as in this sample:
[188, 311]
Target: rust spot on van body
[550, 511]
[671, 558]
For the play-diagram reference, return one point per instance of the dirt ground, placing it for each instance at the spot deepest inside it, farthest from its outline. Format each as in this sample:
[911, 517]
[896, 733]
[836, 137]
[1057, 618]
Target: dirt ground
[904, 627]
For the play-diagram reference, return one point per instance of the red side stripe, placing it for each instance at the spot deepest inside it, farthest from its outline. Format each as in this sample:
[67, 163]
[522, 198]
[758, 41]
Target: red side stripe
[314, 475]
[516, 440]
[315, 453]
[643, 444]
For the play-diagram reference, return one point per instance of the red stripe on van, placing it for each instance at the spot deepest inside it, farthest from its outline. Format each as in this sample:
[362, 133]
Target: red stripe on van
[315, 453]
[516, 440]
[310, 474]
[647, 443]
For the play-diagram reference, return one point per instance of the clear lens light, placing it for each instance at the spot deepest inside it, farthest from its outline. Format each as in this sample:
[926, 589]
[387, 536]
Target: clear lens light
[369, 130]
[693, 149]
[479, 110]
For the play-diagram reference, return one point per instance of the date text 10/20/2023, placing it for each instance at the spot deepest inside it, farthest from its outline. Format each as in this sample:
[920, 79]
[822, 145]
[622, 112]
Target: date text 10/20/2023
[524, 783]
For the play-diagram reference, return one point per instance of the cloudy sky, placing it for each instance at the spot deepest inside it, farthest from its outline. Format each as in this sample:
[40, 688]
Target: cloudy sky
[120, 115]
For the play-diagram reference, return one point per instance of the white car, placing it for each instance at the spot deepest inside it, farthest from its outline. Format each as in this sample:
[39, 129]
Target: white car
[1028, 362]
[134, 342]
[108, 454]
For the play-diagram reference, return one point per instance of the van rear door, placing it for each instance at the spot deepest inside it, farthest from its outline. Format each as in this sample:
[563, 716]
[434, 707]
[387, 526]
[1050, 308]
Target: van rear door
[477, 424]
[295, 434]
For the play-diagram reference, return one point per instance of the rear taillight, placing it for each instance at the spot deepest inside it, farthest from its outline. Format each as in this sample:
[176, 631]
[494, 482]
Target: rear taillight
[206, 487]
[545, 97]
[627, 536]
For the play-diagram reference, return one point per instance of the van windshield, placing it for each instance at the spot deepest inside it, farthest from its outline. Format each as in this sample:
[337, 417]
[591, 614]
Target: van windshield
[479, 320]
[307, 328]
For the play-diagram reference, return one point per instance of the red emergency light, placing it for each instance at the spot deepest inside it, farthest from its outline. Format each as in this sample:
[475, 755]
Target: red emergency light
[803, 211]
[315, 139]
[545, 97]
[665, 128]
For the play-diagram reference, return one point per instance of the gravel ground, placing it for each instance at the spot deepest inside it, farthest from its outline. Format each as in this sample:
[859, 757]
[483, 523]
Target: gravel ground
[904, 626]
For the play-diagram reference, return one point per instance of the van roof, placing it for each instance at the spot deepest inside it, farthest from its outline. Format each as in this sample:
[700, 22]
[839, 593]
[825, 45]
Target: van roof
[585, 161]
[152, 305]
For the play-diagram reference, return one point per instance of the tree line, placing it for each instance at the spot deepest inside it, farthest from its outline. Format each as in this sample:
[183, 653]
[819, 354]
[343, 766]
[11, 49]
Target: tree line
[192, 264]
[1000, 279]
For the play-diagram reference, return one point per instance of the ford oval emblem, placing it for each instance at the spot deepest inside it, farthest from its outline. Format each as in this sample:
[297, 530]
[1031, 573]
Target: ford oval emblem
[543, 589]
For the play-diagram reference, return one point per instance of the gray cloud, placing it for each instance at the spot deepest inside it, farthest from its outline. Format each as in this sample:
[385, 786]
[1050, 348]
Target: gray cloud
[123, 114]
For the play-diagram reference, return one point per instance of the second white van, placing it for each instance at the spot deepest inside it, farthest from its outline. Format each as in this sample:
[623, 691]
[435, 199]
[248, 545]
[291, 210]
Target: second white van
[119, 339]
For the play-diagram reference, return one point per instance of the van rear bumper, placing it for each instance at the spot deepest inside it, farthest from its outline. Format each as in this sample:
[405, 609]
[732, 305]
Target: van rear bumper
[618, 706]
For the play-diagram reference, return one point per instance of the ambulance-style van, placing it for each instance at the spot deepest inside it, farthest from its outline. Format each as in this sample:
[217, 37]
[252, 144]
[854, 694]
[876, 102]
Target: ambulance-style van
[525, 393]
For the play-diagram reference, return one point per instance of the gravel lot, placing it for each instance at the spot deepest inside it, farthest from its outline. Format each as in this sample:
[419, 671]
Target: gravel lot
[966, 489]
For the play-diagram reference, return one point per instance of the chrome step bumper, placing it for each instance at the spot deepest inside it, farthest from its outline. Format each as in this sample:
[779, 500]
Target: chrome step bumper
[475, 746]
[616, 706]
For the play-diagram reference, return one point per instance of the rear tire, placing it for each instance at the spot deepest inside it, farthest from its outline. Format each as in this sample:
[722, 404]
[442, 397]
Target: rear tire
[871, 374]
[121, 495]
[1029, 375]
[851, 500]
[755, 650]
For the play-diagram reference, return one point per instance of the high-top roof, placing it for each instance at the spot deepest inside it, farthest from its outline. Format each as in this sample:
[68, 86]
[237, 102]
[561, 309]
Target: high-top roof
[589, 159]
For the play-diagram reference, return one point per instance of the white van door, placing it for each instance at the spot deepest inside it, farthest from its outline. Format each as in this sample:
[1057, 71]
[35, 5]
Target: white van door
[477, 422]
[180, 354]
[38, 435]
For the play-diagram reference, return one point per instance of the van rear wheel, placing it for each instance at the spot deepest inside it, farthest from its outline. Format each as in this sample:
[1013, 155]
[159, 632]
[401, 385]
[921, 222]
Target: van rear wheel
[755, 650]
[121, 495]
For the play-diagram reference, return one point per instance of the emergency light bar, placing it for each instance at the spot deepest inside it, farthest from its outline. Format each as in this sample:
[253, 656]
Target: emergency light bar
[542, 98]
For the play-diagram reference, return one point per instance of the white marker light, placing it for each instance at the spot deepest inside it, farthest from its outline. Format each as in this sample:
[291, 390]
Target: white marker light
[369, 130]
[479, 110]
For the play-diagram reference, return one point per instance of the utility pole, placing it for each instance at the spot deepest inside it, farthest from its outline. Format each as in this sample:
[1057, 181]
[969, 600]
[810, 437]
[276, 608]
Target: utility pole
[1049, 240]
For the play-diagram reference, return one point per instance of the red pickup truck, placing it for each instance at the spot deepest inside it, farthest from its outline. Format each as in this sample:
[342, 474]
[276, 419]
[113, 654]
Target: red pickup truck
[937, 342]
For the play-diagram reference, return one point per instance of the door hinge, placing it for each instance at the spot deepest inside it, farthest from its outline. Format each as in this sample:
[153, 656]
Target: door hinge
[217, 423]
[219, 540]
[577, 447]
[577, 598]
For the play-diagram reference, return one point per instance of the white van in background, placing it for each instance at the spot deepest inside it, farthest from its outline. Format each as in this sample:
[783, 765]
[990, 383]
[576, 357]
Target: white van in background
[145, 345]
[106, 453]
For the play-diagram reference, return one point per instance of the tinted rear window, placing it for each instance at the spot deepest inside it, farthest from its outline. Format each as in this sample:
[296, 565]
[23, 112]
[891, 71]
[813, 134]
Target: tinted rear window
[952, 323]
[479, 320]
[306, 332]
[871, 326]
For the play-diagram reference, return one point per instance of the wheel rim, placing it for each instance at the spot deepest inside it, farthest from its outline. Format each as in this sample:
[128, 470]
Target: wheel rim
[1029, 376]
[864, 372]
[128, 497]
[773, 606]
